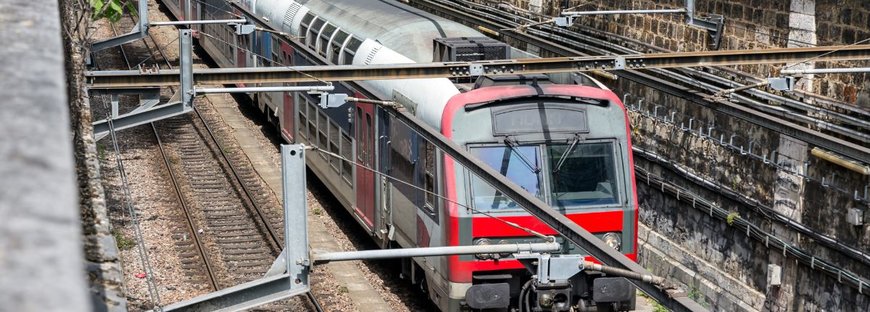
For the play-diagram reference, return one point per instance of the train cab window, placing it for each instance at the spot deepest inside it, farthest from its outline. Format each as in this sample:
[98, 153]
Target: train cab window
[521, 164]
[582, 174]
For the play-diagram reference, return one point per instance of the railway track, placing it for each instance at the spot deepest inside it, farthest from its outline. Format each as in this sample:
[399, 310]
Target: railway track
[228, 235]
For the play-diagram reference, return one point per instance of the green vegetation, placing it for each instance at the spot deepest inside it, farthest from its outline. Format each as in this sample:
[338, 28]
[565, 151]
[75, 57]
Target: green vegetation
[112, 10]
[731, 217]
[123, 242]
[695, 294]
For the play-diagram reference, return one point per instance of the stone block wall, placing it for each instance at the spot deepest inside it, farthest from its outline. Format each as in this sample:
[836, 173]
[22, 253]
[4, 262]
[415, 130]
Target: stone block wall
[844, 22]
[749, 24]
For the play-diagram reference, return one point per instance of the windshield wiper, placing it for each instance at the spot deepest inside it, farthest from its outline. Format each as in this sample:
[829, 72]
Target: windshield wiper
[513, 146]
[564, 156]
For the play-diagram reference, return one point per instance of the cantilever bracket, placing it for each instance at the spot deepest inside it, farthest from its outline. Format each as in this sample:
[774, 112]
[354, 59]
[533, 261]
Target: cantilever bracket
[713, 23]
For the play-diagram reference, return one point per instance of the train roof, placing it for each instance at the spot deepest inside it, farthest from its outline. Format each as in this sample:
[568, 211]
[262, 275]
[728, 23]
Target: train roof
[404, 29]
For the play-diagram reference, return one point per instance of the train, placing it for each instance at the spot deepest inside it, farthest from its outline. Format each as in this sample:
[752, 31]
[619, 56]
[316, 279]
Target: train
[563, 138]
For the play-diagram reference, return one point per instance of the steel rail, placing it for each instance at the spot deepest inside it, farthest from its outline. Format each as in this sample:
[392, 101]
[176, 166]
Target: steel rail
[173, 177]
[134, 78]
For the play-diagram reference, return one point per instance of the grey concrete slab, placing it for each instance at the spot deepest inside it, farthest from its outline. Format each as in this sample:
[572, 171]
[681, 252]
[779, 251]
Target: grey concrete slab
[41, 257]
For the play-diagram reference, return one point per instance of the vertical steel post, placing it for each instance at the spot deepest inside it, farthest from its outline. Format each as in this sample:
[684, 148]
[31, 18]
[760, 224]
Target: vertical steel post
[185, 43]
[295, 214]
[143, 16]
[690, 11]
[115, 99]
[188, 10]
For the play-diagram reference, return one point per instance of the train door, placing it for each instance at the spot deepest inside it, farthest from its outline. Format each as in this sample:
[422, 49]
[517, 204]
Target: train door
[365, 178]
[384, 202]
[288, 112]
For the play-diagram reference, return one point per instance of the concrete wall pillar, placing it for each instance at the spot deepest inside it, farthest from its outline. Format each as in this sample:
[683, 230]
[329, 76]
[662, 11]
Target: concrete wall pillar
[788, 201]
[802, 33]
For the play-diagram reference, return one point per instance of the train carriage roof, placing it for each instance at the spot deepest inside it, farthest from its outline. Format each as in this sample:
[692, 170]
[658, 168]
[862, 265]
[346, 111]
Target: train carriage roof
[406, 30]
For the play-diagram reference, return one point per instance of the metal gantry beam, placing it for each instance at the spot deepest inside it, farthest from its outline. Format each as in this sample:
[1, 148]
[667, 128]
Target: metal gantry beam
[134, 78]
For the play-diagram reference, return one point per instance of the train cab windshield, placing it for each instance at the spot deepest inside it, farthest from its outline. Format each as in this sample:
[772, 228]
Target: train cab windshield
[573, 175]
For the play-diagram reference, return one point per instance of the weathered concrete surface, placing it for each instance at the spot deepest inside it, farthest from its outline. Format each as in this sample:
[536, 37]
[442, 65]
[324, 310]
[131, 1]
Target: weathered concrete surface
[102, 261]
[40, 250]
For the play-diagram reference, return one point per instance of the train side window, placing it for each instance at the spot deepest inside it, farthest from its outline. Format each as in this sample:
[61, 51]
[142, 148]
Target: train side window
[322, 128]
[333, 146]
[347, 154]
[369, 136]
[360, 140]
[337, 43]
[429, 155]
[306, 20]
[316, 25]
[350, 50]
[303, 118]
[312, 123]
[325, 35]
[276, 50]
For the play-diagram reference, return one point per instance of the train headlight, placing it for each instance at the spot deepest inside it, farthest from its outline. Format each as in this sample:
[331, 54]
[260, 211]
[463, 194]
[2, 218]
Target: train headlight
[613, 239]
[482, 242]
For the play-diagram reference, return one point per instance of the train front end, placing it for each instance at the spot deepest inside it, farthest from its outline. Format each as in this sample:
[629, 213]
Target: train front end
[569, 146]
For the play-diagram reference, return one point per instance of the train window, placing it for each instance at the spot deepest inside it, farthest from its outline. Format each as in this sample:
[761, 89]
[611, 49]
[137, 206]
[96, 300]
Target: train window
[322, 126]
[312, 123]
[521, 164]
[313, 31]
[333, 145]
[369, 137]
[347, 154]
[354, 44]
[583, 175]
[276, 52]
[306, 20]
[360, 139]
[303, 121]
[325, 35]
[429, 176]
[350, 50]
[337, 42]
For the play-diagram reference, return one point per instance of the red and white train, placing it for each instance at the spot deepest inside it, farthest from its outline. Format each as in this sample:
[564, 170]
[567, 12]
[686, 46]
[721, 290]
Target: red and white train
[566, 143]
